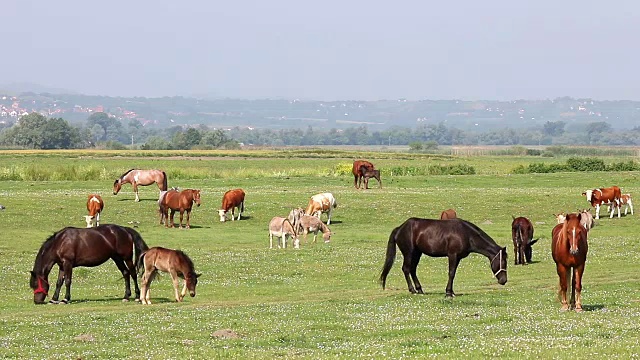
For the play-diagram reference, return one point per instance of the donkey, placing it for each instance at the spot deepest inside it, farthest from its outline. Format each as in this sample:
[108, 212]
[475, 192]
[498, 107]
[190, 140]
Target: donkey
[282, 227]
[313, 224]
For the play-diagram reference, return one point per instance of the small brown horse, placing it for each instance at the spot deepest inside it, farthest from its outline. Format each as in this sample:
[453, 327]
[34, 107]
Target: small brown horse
[367, 174]
[569, 249]
[72, 247]
[522, 236]
[176, 263]
[137, 178]
[455, 239]
[177, 201]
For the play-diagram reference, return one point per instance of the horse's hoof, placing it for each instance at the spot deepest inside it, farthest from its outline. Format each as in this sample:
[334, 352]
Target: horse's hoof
[64, 301]
[579, 309]
[137, 300]
[564, 308]
[54, 302]
[125, 300]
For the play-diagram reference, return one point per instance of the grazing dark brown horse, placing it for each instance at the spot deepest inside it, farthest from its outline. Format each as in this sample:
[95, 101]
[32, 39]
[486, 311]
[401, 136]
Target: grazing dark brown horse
[176, 263]
[137, 178]
[72, 247]
[569, 249]
[522, 236]
[448, 214]
[173, 201]
[455, 239]
[357, 175]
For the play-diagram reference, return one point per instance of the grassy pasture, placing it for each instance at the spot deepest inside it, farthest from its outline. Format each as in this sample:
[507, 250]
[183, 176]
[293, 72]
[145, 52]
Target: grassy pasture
[322, 301]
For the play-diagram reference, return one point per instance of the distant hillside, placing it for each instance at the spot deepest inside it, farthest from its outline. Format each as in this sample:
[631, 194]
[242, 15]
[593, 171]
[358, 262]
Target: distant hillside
[283, 114]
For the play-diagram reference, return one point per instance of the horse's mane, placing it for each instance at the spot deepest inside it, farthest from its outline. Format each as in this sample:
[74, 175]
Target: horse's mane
[186, 259]
[483, 235]
[44, 248]
[126, 172]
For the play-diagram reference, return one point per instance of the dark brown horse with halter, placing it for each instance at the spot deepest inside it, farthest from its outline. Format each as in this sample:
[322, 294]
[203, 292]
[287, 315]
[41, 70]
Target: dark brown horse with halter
[137, 178]
[455, 239]
[569, 249]
[176, 263]
[522, 236]
[72, 247]
[173, 201]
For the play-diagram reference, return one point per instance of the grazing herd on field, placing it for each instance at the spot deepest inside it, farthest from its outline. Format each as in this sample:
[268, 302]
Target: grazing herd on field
[449, 237]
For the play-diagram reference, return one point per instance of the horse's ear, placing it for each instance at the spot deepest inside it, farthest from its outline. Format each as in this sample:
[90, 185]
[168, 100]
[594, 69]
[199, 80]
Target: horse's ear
[534, 241]
[198, 275]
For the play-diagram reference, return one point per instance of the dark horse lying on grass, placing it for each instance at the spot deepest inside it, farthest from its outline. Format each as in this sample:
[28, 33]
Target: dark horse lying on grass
[455, 239]
[72, 247]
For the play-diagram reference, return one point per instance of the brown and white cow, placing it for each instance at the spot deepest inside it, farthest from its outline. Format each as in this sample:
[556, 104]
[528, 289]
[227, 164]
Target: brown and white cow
[357, 172]
[448, 214]
[94, 207]
[604, 196]
[321, 203]
[231, 200]
[625, 199]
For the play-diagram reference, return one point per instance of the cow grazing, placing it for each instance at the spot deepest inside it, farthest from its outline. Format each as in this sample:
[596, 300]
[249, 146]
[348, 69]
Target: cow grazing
[522, 236]
[560, 218]
[94, 207]
[367, 174]
[321, 203]
[448, 214]
[357, 173]
[294, 218]
[586, 219]
[231, 200]
[604, 196]
[282, 227]
[313, 224]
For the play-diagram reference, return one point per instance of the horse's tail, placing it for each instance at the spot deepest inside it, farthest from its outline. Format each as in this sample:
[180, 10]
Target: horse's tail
[140, 264]
[164, 181]
[391, 256]
[139, 247]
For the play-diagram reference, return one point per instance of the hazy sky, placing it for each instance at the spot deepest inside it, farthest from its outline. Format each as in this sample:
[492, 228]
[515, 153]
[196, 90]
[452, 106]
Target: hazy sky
[326, 50]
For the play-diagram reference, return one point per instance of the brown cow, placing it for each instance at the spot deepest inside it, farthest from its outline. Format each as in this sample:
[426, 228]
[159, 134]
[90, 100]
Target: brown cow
[357, 175]
[448, 214]
[321, 203]
[94, 207]
[604, 196]
[231, 200]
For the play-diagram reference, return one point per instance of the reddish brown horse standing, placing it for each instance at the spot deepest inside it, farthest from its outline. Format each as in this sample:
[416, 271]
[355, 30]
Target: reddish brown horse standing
[137, 178]
[357, 174]
[569, 250]
[231, 200]
[522, 236]
[448, 214]
[72, 247]
[173, 201]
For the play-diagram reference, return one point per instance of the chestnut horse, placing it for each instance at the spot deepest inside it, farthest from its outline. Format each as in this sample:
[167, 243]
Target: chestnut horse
[137, 178]
[176, 263]
[357, 174]
[72, 247]
[569, 250]
[522, 236]
[455, 239]
[177, 201]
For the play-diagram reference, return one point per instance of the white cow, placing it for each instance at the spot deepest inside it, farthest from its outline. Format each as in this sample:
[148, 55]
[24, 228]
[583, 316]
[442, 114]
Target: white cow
[321, 203]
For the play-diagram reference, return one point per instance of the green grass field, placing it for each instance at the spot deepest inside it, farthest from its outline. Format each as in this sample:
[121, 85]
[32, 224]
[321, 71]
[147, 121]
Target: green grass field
[322, 301]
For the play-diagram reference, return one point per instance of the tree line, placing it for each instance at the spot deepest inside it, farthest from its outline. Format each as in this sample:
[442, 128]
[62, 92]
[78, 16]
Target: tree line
[35, 131]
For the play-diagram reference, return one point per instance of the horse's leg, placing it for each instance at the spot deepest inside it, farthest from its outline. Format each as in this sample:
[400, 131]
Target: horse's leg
[188, 219]
[454, 260]
[68, 272]
[56, 294]
[515, 254]
[572, 275]
[523, 259]
[147, 278]
[406, 269]
[126, 274]
[355, 181]
[181, 216]
[414, 267]
[171, 224]
[562, 292]
[577, 276]
[176, 284]
[133, 272]
[135, 190]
